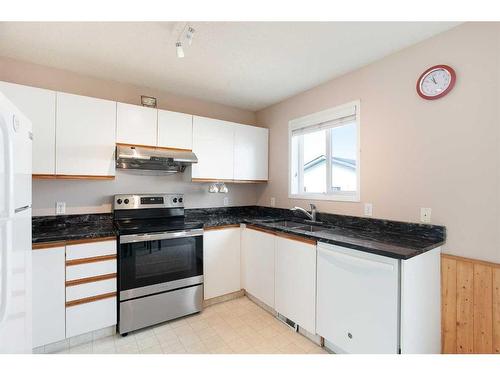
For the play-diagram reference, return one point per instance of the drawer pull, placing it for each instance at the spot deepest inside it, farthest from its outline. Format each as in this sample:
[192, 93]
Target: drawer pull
[90, 299]
[90, 279]
[101, 258]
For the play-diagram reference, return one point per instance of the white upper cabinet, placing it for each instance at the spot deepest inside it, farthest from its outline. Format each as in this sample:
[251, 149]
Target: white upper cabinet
[250, 152]
[39, 106]
[85, 136]
[213, 144]
[296, 282]
[175, 130]
[136, 125]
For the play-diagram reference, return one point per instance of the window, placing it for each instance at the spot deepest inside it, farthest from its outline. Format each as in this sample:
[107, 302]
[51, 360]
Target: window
[324, 154]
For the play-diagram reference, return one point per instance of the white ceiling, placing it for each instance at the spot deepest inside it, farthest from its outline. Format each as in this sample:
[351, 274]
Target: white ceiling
[249, 65]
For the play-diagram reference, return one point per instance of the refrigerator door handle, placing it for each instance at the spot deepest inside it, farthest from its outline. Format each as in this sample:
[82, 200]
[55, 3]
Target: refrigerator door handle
[21, 209]
[5, 249]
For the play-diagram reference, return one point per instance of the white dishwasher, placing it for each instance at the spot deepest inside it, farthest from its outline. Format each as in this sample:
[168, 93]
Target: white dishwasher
[357, 300]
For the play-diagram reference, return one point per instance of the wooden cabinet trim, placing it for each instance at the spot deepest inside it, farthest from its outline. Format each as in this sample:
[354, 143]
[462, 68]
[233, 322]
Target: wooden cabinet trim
[91, 279]
[101, 258]
[70, 177]
[90, 240]
[296, 238]
[90, 299]
[220, 227]
[288, 236]
[259, 229]
[228, 181]
[154, 147]
[49, 245]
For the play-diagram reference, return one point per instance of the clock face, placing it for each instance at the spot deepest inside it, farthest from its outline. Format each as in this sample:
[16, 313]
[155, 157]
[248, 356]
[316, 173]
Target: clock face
[436, 82]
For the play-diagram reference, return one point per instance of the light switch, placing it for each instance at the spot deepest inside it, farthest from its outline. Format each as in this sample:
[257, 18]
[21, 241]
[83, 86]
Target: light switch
[425, 215]
[60, 208]
[368, 209]
[226, 201]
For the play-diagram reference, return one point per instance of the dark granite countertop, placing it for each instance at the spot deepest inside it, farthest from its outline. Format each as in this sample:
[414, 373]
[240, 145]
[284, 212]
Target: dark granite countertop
[71, 227]
[395, 239]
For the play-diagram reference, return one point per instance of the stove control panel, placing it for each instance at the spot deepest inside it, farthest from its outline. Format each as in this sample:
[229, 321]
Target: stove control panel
[138, 201]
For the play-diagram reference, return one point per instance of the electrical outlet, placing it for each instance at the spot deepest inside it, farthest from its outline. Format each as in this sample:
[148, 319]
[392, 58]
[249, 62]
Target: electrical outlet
[425, 215]
[60, 208]
[226, 201]
[368, 209]
[273, 202]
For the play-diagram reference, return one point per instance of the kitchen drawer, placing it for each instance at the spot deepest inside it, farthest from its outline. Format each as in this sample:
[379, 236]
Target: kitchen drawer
[85, 290]
[91, 316]
[84, 270]
[90, 250]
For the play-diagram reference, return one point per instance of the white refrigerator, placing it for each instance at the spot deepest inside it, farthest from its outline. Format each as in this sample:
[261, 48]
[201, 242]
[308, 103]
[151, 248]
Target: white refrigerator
[15, 229]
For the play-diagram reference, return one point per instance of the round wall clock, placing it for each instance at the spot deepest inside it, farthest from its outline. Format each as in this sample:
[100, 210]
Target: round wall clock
[436, 82]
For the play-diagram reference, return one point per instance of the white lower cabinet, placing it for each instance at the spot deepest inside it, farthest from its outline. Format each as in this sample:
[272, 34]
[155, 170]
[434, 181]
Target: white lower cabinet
[295, 289]
[74, 290]
[91, 316]
[91, 287]
[221, 261]
[258, 264]
[48, 296]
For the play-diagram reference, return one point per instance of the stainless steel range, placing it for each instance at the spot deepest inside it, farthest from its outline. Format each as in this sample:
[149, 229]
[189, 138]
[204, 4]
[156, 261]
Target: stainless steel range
[160, 260]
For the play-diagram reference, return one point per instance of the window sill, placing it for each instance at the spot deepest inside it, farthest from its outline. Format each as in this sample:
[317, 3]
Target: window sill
[327, 197]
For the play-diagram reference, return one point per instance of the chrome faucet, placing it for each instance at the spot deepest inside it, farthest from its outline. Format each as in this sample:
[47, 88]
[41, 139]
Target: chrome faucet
[311, 215]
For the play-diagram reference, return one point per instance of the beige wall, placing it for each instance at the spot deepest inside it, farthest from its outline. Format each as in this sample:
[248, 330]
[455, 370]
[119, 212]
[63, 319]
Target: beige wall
[443, 154]
[95, 196]
[63, 80]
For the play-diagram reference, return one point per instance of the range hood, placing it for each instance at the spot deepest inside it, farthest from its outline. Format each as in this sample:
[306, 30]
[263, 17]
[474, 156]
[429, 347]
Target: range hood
[153, 159]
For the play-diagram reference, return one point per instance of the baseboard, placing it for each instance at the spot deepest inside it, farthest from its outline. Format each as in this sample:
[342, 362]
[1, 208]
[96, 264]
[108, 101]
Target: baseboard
[223, 298]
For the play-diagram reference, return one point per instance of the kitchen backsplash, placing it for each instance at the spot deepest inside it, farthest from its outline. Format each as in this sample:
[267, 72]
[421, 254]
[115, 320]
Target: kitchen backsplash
[95, 196]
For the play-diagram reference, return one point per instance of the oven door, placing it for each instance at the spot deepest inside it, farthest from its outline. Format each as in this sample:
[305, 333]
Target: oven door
[157, 262]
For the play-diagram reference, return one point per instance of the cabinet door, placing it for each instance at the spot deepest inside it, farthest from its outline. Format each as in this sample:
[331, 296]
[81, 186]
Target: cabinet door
[103, 313]
[48, 296]
[85, 136]
[39, 106]
[296, 282]
[136, 125]
[213, 144]
[258, 264]
[175, 130]
[221, 262]
[250, 153]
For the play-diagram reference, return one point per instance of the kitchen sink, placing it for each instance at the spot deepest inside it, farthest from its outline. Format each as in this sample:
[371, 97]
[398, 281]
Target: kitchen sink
[311, 228]
[288, 224]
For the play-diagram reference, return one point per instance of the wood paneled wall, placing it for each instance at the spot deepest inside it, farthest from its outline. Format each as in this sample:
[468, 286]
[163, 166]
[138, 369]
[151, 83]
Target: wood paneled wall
[470, 298]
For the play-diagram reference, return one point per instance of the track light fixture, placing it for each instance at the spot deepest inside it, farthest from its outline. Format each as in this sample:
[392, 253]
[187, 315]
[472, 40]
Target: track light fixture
[187, 33]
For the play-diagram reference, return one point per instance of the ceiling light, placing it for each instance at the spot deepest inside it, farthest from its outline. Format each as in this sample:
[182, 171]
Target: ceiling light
[180, 51]
[190, 34]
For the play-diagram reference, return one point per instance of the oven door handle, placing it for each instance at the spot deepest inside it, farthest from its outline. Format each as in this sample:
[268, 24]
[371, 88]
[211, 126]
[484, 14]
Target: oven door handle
[131, 238]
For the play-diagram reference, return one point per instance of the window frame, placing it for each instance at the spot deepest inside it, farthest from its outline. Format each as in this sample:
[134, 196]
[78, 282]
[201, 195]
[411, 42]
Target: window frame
[314, 119]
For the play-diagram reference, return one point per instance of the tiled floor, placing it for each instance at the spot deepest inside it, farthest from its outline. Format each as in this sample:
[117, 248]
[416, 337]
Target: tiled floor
[238, 326]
